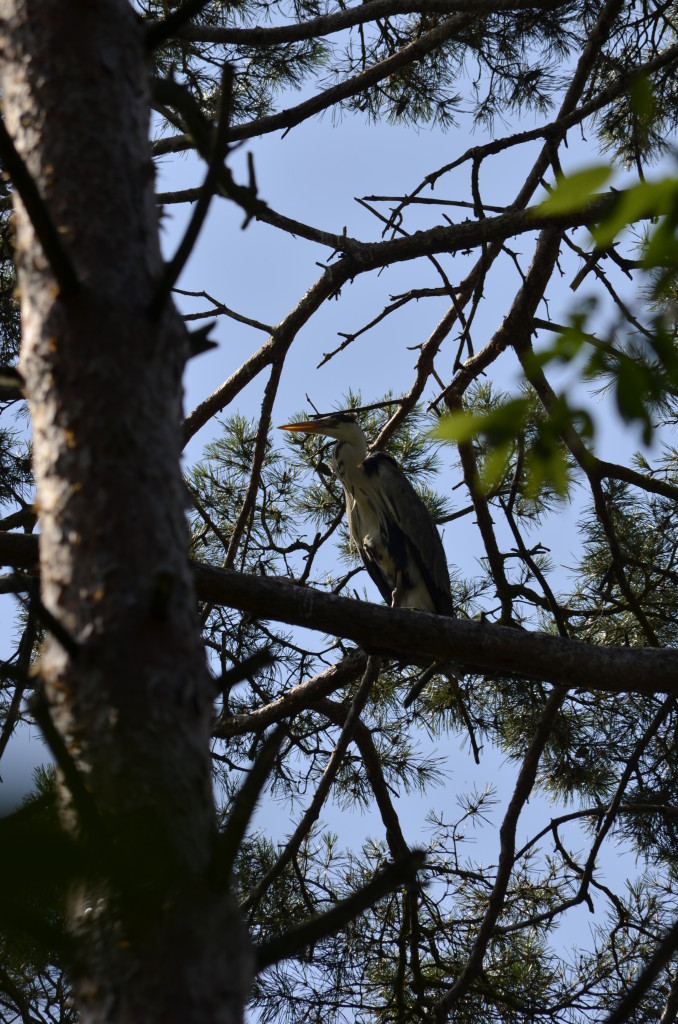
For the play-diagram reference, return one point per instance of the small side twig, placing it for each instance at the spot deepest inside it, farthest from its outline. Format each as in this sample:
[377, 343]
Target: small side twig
[21, 679]
[82, 800]
[176, 265]
[48, 236]
[157, 32]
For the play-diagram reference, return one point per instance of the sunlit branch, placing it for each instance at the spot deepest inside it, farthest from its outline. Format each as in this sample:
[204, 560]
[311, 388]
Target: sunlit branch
[481, 646]
[221, 309]
[273, 348]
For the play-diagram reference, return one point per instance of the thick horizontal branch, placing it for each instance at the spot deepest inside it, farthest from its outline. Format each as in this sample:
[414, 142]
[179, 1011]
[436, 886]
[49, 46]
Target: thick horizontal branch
[468, 234]
[338, 21]
[480, 646]
[471, 234]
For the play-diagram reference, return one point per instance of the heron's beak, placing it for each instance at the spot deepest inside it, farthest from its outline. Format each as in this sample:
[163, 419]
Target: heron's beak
[308, 427]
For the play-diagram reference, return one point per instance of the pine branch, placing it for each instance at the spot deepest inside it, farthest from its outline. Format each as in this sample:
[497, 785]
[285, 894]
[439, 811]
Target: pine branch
[312, 812]
[661, 957]
[481, 646]
[339, 21]
[507, 833]
[294, 941]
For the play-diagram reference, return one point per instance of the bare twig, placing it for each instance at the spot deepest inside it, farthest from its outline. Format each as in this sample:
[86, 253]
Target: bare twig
[173, 269]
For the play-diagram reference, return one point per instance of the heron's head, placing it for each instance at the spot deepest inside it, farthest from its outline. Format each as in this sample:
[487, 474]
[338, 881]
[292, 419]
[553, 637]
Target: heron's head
[340, 425]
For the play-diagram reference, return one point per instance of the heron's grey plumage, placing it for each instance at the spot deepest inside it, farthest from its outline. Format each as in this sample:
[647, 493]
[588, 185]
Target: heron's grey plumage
[388, 522]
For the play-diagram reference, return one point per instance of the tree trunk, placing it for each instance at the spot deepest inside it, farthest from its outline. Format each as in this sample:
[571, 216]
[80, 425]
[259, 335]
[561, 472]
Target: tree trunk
[103, 378]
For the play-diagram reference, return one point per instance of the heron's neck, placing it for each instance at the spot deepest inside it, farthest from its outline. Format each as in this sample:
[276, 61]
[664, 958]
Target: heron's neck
[352, 451]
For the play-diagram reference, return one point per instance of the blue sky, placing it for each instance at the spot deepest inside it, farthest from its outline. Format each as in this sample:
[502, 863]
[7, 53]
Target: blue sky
[314, 174]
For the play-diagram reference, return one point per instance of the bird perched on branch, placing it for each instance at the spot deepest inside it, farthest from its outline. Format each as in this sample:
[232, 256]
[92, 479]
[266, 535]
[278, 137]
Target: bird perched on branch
[388, 522]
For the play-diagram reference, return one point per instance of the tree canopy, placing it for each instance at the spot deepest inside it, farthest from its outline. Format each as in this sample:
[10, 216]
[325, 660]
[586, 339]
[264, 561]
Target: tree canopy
[458, 819]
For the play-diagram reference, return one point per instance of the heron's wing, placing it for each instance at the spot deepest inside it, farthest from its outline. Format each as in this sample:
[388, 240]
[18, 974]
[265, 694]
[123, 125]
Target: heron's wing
[376, 574]
[408, 517]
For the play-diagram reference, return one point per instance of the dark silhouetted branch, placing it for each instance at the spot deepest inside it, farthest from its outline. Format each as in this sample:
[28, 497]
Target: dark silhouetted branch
[43, 225]
[297, 939]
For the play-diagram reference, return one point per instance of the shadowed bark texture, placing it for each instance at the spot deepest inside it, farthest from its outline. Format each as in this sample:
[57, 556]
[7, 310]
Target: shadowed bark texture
[130, 697]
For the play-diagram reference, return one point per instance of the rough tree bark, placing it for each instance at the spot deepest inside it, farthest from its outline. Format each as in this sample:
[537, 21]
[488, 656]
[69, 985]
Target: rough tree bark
[131, 698]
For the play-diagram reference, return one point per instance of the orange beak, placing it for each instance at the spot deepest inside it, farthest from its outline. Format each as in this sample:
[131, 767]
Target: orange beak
[308, 427]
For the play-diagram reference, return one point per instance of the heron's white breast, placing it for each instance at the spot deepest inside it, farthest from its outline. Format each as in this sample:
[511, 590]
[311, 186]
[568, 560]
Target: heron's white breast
[367, 519]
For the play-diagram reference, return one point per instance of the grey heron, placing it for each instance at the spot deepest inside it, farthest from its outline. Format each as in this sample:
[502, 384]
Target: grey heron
[387, 520]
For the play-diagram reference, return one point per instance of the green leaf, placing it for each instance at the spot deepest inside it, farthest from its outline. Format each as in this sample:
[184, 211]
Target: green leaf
[643, 102]
[459, 426]
[495, 466]
[546, 467]
[662, 250]
[498, 425]
[574, 191]
[646, 199]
